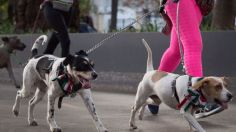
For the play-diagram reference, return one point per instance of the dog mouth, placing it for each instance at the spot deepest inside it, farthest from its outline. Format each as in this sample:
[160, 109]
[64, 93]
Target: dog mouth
[84, 82]
[223, 104]
[22, 48]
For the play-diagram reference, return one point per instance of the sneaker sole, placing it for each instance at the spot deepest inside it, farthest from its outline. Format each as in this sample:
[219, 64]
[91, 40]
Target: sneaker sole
[206, 114]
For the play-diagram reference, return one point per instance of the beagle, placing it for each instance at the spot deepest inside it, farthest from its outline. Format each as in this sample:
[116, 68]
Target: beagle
[171, 89]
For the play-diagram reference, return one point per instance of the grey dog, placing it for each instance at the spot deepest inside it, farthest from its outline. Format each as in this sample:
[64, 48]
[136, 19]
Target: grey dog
[9, 45]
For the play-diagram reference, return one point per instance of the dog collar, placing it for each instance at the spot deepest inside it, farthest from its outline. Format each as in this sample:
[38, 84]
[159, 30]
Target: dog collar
[66, 82]
[193, 98]
[68, 86]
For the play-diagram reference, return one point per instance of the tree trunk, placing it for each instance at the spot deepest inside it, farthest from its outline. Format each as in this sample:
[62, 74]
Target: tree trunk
[114, 6]
[224, 15]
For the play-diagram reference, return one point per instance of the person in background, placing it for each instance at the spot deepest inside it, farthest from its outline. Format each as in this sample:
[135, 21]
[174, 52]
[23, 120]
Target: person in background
[57, 14]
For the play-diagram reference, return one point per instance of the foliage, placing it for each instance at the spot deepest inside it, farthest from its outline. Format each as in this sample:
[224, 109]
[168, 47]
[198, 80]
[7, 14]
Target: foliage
[6, 27]
[3, 9]
[149, 28]
[206, 23]
[84, 7]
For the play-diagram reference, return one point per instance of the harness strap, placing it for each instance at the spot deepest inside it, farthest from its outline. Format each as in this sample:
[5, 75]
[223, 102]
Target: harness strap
[190, 81]
[173, 86]
[193, 98]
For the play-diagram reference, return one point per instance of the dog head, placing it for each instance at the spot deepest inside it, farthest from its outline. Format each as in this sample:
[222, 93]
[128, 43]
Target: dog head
[215, 90]
[81, 67]
[13, 43]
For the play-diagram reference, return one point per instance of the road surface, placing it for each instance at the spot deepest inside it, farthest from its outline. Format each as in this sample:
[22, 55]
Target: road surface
[114, 110]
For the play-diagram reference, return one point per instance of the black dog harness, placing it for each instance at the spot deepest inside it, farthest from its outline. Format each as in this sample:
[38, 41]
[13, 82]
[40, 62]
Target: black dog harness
[193, 98]
[173, 86]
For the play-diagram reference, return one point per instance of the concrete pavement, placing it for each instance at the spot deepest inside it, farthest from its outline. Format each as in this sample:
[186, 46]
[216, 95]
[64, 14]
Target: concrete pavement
[114, 110]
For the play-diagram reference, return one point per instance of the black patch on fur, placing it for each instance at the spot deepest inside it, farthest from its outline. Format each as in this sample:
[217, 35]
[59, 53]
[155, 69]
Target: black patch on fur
[44, 66]
[69, 59]
[52, 113]
[81, 53]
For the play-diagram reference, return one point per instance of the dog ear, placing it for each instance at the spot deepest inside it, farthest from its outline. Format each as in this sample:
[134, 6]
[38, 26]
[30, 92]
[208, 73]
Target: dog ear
[82, 53]
[68, 60]
[225, 80]
[201, 84]
[5, 39]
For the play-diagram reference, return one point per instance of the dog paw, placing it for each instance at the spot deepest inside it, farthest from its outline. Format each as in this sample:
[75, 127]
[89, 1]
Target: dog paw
[132, 126]
[33, 123]
[56, 130]
[15, 112]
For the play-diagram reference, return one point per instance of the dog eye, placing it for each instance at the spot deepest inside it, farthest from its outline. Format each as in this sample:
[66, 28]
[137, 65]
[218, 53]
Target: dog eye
[226, 85]
[218, 87]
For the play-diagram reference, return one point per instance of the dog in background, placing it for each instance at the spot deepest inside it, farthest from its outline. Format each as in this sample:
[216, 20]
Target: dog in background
[57, 77]
[9, 45]
[171, 88]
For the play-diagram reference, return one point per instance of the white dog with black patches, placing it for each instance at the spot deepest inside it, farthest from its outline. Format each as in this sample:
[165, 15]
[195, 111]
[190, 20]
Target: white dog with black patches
[48, 74]
[159, 87]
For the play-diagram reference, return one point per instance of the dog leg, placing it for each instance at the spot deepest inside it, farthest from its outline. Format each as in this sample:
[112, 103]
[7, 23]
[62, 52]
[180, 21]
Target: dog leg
[28, 88]
[37, 98]
[50, 113]
[11, 75]
[140, 99]
[192, 121]
[16, 106]
[141, 111]
[88, 101]
[19, 95]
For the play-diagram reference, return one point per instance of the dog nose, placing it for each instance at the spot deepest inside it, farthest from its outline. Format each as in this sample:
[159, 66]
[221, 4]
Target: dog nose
[229, 96]
[94, 75]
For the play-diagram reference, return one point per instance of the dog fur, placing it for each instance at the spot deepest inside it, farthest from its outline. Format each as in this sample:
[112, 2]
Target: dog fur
[157, 85]
[40, 83]
[9, 45]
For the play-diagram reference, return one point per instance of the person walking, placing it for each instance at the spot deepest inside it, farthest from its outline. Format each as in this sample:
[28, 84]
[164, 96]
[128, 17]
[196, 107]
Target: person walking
[57, 14]
[190, 17]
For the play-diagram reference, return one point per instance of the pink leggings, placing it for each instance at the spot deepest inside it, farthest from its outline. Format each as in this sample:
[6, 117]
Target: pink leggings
[189, 21]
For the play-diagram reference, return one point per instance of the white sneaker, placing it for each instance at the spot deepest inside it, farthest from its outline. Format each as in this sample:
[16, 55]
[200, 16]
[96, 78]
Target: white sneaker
[211, 110]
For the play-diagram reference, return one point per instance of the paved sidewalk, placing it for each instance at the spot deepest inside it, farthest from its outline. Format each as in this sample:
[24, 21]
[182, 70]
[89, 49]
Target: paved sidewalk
[114, 110]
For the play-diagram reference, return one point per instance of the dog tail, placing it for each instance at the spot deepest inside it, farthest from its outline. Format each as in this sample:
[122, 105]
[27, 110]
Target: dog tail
[149, 58]
[40, 40]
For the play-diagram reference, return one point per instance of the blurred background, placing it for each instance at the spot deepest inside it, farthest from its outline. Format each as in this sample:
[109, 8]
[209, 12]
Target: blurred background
[103, 16]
